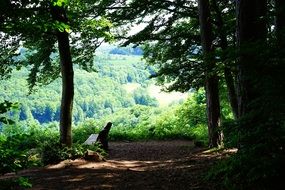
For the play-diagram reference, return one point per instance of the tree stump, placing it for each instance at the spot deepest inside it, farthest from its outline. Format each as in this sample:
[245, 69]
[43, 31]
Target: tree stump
[93, 156]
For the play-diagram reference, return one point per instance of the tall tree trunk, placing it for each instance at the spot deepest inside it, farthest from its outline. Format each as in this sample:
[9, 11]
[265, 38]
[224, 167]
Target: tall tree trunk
[251, 31]
[67, 89]
[211, 84]
[280, 45]
[262, 97]
[213, 112]
[280, 21]
[67, 78]
[229, 78]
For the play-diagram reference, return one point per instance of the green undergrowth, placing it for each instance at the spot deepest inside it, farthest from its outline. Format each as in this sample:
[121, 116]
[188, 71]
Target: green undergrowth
[259, 162]
[30, 146]
[16, 183]
[244, 171]
[33, 146]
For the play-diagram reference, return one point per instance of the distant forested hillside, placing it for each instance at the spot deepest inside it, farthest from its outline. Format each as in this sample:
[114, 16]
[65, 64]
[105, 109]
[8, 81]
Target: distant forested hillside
[97, 94]
[127, 51]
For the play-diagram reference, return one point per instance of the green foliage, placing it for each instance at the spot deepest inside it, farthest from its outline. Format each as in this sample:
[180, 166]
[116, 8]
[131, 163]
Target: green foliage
[231, 134]
[60, 3]
[226, 110]
[4, 108]
[9, 46]
[15, 154]
[19, 146]
[170, 37]
[33, 26]
[85, 129]
[141, 97]
[193, 111]
[248, 171]
[53, 152]
[96, 94]
[259, 161]
[186, 121]
[200, 133]
[23, 147]
[18, 183]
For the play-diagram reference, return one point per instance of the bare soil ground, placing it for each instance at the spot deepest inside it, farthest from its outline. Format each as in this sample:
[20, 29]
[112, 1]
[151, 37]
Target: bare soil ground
[151, 165]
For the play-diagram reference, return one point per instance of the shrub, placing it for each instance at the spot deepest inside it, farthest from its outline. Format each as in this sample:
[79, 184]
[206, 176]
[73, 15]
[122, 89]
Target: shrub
[15, 154]
[53, 152]
[84, 130]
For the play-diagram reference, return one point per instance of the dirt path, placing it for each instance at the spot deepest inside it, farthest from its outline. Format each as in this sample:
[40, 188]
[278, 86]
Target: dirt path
[151, 165]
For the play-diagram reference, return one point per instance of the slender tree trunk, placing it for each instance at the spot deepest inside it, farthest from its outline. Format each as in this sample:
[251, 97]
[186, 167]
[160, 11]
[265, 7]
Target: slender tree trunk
[67, 79]
[67, 89]
[231, 88]
[211, 84]
[229, 78]
[280, 21]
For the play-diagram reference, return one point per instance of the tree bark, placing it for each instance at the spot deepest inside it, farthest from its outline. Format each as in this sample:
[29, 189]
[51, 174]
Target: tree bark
[211, 84]
[67, 79]
[251, 30]
[67, 89]
[280, 20]
[213, 112]
[231, 88]
[251, 35]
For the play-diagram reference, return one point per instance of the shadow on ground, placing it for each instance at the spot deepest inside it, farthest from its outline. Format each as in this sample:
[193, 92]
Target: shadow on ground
[134, 165]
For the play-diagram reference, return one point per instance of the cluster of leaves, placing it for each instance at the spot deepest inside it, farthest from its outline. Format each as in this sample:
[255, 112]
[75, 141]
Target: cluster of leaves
[171, 39]
[32, 25]
[170, 36]
[4, 108]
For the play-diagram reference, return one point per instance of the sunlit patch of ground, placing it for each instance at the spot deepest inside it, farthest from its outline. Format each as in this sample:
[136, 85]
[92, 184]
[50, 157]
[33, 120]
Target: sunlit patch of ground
[148, 165]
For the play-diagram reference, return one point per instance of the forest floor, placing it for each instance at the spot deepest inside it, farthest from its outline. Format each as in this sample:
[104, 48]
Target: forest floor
[173, 165]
